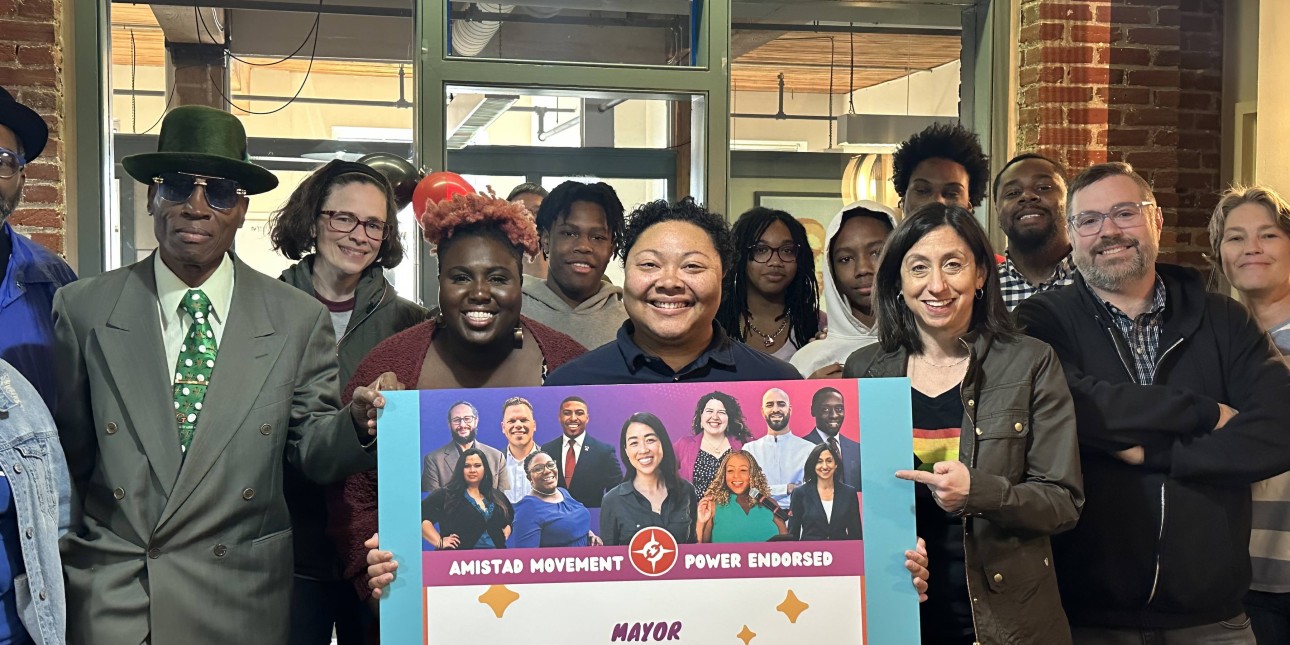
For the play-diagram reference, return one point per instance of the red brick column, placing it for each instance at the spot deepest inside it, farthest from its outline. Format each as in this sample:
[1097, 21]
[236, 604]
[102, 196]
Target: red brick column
[1130, 80]
[31, 67]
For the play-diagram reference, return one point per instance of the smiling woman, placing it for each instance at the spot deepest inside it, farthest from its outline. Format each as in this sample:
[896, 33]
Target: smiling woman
[675, 256]
[479, 338]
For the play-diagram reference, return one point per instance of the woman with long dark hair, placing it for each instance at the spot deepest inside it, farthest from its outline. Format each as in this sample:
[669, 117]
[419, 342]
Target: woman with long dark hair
[823, 508]
[995, 450]
[652, 492]
[718, 428]
[470, 512]
[770, 299]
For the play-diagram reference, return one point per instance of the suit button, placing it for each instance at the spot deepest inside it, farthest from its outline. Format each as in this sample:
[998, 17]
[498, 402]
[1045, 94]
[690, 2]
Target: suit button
[220, 550]
[111, 427]
[17, 469]
[154, 553]
[29, 533]
[1018, 427]
[248, 493]
[971, 403]
[118, 493]
[978, 432]
[266, 429]
[1045, 562]
[998, 577]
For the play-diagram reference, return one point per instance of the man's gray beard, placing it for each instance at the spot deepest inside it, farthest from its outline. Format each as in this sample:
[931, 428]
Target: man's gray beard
[7, 207]
[1099, 278]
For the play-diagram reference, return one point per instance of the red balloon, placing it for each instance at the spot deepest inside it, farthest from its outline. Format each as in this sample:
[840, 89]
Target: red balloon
[436, 187]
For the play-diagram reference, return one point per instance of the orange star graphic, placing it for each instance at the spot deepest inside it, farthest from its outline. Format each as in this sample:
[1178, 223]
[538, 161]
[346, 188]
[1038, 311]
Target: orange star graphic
[792, 607]
[746, 635]
[498, 597]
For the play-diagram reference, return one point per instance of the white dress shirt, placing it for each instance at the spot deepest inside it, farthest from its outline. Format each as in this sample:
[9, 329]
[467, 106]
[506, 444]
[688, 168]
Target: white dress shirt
[175, 321]
[520, 485]
[783, 459]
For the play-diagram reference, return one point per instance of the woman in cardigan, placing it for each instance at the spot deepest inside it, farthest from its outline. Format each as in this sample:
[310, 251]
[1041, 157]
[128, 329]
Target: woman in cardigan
[479, 339]
[719, 428]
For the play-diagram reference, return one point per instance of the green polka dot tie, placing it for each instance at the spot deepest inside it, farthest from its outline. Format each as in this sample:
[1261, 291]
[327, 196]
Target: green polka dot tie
[196, 362]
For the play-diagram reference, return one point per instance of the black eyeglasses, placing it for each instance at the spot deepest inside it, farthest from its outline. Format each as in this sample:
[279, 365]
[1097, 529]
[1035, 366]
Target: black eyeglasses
[761, 253]
[346, 222]
[11, 163]
[221, 194]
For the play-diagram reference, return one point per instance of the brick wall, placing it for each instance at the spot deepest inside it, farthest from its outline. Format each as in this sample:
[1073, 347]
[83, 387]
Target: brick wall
[31, 67]
[1136, 81]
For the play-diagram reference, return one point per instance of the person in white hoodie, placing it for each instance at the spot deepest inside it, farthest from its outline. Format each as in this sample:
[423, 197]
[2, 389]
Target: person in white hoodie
[853, 242]
[581, 229]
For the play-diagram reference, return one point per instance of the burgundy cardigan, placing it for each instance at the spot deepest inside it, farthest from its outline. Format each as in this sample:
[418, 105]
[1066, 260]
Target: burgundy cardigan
[351, 506]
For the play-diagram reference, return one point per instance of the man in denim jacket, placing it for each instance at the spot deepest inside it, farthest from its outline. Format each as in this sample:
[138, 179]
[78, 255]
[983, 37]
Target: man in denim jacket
[35, 498]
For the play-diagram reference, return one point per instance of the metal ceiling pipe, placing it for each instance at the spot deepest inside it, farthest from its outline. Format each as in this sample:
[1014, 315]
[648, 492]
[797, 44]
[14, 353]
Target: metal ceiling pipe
[469, 37]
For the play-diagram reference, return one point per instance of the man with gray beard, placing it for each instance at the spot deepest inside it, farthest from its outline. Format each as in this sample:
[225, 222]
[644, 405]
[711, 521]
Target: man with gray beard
[1158, 370]
[29, 274]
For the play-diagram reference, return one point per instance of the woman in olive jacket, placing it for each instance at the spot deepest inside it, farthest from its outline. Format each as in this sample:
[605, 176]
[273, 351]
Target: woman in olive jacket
[997, 464]
[341, 225]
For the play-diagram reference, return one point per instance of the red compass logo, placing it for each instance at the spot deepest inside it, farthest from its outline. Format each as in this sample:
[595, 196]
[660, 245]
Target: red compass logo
[652, 551]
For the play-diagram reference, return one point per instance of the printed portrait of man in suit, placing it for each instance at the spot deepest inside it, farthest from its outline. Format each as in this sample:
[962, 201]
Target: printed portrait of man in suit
[586, 467]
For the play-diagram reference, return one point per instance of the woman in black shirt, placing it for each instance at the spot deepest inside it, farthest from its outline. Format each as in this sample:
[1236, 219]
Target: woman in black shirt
[471, 514]
[652, 493]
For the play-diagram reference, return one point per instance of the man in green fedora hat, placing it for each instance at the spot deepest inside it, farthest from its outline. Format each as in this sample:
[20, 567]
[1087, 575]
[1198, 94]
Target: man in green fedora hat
[188, 379]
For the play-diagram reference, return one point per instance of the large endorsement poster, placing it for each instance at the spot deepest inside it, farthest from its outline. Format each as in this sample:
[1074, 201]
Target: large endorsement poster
[691, 562]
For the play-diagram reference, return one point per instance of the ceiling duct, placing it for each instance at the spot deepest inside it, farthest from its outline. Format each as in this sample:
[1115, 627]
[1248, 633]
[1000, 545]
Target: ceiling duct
[486, 110]
[883, 129]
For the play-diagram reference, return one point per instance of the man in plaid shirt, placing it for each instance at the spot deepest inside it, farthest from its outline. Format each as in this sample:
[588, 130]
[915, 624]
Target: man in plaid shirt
[1030, 195]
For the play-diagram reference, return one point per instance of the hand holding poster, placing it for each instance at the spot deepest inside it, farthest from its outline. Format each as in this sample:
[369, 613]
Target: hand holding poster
[686, 513]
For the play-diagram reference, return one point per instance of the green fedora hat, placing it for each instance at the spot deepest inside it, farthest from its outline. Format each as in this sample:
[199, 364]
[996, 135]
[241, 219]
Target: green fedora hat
[202, 141]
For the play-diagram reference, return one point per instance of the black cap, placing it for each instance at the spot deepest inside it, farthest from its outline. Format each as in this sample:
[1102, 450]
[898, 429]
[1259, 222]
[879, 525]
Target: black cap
[25, 123]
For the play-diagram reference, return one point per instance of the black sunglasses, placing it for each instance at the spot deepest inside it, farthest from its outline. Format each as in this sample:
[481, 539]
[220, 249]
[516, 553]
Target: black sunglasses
[222, 194]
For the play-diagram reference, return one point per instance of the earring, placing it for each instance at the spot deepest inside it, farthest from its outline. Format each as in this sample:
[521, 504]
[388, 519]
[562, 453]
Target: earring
[519, 336]
[437, 317]
[980, 293]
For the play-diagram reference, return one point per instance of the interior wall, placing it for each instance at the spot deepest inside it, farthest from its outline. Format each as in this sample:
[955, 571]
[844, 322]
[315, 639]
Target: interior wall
[1240, 72]
[1272, 165]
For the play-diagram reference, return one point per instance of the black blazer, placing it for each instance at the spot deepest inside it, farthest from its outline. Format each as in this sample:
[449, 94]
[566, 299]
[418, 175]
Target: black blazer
[466, 522]
[850, 458]
[596, 473]
[806, 514]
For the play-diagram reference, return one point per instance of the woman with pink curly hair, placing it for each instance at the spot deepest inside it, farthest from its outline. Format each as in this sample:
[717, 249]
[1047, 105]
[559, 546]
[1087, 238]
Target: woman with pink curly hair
[478, 339]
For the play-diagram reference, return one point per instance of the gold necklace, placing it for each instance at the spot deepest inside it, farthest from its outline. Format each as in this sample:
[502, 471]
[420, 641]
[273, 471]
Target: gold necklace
[954, 364]
[767, 339]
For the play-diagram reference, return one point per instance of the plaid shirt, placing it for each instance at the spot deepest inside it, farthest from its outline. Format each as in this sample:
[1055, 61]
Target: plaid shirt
[1141, 334]
[1016, 288]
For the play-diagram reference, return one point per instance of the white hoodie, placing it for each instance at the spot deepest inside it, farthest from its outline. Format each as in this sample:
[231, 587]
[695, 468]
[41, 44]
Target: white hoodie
[846, 333]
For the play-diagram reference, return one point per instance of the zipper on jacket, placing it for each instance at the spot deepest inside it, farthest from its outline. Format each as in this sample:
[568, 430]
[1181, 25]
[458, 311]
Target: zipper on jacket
[968, 409]
[1160, 536]
[370, 311]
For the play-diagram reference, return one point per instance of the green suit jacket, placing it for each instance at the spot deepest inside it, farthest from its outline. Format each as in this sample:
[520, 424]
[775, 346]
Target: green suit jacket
[194, 548]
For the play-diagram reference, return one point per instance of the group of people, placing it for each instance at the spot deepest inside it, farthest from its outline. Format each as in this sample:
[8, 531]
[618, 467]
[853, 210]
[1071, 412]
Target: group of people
[787, 483]
[1085, 462]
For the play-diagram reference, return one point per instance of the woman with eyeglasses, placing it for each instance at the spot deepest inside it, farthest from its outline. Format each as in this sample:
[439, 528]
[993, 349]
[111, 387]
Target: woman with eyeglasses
[771, 296]
[719, 428]
[340, 224]
[548, 516]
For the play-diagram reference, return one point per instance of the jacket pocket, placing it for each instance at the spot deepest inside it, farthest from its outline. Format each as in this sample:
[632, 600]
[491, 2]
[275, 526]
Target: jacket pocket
[1002, 440]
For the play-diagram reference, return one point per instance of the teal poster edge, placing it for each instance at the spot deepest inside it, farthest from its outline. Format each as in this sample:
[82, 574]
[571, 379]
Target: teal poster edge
[398, 455]
[887, 445]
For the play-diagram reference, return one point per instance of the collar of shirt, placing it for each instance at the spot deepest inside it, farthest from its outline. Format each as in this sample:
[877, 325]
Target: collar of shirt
[170, 291]
[719, 350]
[533, 447]
[1063, 271]
[1147, 317]
[576, 441]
